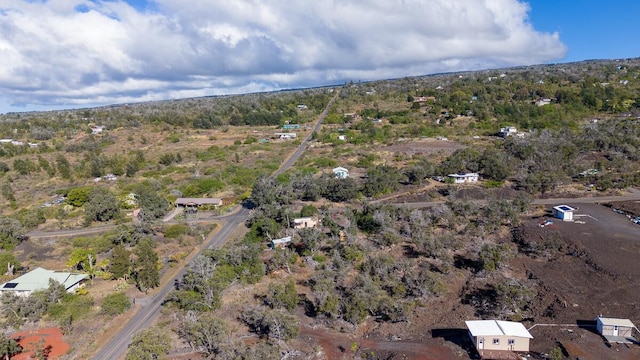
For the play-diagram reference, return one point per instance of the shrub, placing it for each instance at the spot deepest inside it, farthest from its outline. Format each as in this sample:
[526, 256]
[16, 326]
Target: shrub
[175, 231]
[115, 304]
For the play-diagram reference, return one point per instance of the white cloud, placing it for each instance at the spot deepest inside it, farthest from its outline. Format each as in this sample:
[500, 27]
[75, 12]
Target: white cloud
[82, 52]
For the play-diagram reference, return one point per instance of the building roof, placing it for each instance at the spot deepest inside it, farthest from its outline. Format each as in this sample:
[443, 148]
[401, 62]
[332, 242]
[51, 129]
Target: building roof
[302, 219]
[282, 240]
[38, 279]
[564, 208]
[464, 175]
[497, 328]
[198, 201]
[340, 169]
[615, 322]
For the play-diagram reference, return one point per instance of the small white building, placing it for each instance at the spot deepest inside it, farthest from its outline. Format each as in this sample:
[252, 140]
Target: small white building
[305, 222]
[286, 136]
[563, 212]
[340, 172]
[467, 178]
[38, 279]
[496, 336]
[615, 329]
[508, 131]
[543, 102]
[280, 243]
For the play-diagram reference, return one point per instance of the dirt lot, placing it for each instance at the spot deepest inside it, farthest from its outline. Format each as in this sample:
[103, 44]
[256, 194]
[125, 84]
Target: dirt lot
[595, 273]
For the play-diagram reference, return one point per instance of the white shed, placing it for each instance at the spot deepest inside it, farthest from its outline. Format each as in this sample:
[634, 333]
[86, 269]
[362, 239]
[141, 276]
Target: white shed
[491, 337]
[615, 330]
[563, 212]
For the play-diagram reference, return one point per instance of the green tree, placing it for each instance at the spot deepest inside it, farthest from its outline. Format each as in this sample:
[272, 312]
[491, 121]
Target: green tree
[152, 205]
[120, 264]
[282, 296]
[8, 262]
[64, 168]
[101, 206]
[9, 347]
[115, 304]
[493, 257]
[78, 196]
[152, 343]
[82, 259]
[339, 190]
[11, 233]
[207, 332]
[380, 180]
[7, 192]
[146, 266]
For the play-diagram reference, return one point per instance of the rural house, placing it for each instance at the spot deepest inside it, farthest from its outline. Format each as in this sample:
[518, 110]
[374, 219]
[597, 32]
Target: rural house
[563, 212]
[195, 202]
[291, 127]
[508, 131]
[464, 178]
[280, 243]
[491, 337]
[305, 222]
[616, 330]
[340, 172]
[38, 279]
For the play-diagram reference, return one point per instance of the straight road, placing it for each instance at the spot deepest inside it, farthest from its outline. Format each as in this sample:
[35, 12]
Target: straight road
[150, 308]
[117, 346]
[633, 195]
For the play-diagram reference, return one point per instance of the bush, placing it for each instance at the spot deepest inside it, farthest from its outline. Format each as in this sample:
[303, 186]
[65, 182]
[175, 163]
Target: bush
[175, 231]
[115, 304]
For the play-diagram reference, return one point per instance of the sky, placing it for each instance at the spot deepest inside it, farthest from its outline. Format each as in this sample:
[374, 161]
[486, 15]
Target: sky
[61, 54]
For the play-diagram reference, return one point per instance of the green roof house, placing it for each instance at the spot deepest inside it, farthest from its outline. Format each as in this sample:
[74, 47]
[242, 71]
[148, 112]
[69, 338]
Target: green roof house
[38, 279]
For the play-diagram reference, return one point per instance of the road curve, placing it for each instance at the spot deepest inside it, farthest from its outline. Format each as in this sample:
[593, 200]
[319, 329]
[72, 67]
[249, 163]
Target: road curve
[149, 309]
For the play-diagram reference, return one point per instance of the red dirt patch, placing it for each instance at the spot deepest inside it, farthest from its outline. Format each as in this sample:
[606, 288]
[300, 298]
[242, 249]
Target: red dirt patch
[47, 338]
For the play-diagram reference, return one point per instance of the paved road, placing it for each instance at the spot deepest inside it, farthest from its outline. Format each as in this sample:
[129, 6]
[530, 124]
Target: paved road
[633, 195]
[150, 307]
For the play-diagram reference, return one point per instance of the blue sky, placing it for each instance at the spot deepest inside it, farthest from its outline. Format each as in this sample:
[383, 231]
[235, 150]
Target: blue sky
[60, 54]
[591, 29]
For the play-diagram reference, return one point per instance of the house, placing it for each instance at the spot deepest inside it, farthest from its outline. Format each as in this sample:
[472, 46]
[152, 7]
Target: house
[340, 172]
[342, 137]
[97, 130]
[616, 330]
[38, 279]
[291, 126]
[507, 131]
[563, 212]
[305, 222]
[286, 136]
[490, 337]
[195, 202]
[301, 106]
[464, 178]
[543, 102]
[280, 243]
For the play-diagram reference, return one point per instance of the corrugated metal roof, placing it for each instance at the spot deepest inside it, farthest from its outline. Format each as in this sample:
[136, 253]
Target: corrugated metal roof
[497, 327]
[615, 322]
[38, 279]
